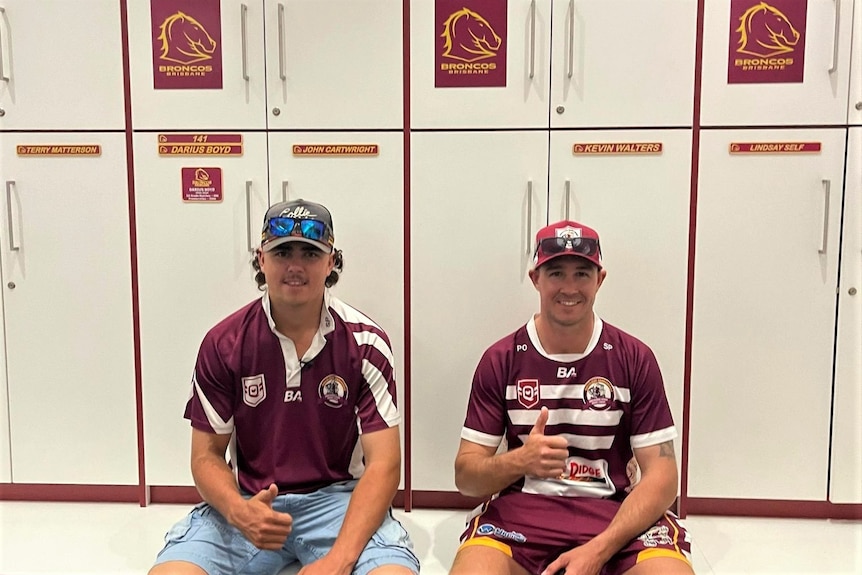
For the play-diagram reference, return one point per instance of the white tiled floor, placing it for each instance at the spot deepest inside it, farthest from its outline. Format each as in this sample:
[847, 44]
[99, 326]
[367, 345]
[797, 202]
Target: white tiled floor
[122, 539]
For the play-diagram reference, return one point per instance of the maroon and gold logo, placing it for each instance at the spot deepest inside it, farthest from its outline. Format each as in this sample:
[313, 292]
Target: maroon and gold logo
[186, 37]
[528, 392]
[767, 41]
[471, 45]
[333, 391]
[598, 393]
[185, 40]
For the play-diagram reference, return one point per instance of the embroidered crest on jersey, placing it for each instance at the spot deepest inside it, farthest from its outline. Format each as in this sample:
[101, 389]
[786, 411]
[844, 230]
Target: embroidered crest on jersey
[656, 536]
[332, 390]
[528, 392]
[253, 390]
[598, 393]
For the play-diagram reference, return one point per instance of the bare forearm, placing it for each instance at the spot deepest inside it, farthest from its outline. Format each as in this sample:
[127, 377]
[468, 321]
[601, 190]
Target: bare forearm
[480, 476]
[216, 483]
[369, 503]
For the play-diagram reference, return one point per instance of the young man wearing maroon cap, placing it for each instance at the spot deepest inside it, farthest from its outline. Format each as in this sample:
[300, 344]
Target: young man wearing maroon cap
[581, 405]
[300, 388]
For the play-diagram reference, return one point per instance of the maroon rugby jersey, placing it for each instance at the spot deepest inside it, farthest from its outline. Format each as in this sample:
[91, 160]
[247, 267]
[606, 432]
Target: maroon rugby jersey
[295, 423]
[604, 402]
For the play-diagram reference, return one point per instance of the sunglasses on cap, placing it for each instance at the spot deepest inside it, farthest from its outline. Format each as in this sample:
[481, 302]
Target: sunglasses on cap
[280, 227]
[581, 246]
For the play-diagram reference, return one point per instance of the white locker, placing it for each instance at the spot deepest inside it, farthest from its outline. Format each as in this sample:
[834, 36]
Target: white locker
[365, 194]
[846, 471]
[241, 102]
[623, 63]
[854, 103]
[766, 269]
[5, 443]
[68, 312]
[821, 98]
[521, 103]
[334, 65]
[61, 65]
[639, 204]
[477, 200]
[194, 269]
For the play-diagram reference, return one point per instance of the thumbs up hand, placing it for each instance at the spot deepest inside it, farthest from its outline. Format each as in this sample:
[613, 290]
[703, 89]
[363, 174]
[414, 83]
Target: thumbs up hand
[543, 455]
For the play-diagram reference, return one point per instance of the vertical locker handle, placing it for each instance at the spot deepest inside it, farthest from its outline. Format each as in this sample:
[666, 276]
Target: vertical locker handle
[12, 246]
[248, 216]
[529, 215]
[827, 184]
[568, 197]
[281, 68]
[3, 75]
[571, 38]
[834, 65]
[532, 39]
[284, 186]
[243, 13]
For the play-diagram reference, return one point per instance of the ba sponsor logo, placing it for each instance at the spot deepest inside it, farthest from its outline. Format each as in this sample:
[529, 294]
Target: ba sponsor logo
[566, 372]
[598, 393]
[292, 395]
[528, 392]
[253, 390]
[486, 529]
[185, 40]
[764, 31]
[333, 391]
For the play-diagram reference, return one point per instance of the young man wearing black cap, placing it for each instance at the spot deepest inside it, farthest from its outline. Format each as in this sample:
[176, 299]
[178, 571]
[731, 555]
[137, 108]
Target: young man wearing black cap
[578, 401]
[301, 388]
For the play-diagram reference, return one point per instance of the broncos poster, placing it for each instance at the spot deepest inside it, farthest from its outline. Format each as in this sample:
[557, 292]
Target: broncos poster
[470, 43]
[187, 51]
[767, 41]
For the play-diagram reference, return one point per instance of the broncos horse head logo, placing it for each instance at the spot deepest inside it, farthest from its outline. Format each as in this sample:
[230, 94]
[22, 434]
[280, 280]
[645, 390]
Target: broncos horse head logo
[185, 40]
[469, 37]
[765, 32]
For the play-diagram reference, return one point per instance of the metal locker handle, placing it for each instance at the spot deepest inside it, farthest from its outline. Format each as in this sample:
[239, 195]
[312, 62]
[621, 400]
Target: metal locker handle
[834, 65]
[571, 38]
[284, 186]
[3, 75]
[243, 16]
[568, 197]
[248, 216]
[9, 185]
[529, 215]
[827, 185]
[281, 67]
[532, 38]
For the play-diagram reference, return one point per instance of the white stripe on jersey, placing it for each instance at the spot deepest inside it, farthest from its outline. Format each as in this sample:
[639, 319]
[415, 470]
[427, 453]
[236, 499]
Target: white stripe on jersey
[380, 390]
[654, 437]
[608, 418]
[349, 313]
[587, 442]
[622, 394]
[378, 343]
[480, 438]
[219, 425]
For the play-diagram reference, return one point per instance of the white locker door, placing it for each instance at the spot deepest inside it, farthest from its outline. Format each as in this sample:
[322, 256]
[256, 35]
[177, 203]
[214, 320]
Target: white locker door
[854, 108]
[521, 103]
[766, 267]
[61, 65]
[477, 200]
[821, 98]
[639, 204]
[5, 445]
[240, 103]
[846, 473]
[68, 313]
[334, 64]
[365, 194]
[623, 63]
[194, 269]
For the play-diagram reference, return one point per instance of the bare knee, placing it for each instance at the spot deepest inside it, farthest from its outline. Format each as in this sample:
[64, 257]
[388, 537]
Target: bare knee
[480, 560]
[176, 568]
[661, 566]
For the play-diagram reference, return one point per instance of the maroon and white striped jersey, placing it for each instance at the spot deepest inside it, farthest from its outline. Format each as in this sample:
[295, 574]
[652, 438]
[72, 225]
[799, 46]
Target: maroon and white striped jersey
[296, 422]
[604, 402]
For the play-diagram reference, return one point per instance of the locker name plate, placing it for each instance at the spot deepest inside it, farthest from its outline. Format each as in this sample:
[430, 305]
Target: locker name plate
[775, 148]
[618, 148]
[200, 144]
[336, 149]
[202, 185]
[59, 150]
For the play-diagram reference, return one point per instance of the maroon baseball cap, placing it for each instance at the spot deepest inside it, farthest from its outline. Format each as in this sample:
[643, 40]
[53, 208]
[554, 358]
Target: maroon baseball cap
[567, 238]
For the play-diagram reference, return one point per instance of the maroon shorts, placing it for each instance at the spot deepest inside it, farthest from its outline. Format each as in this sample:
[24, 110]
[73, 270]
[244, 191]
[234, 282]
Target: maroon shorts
[536, 529]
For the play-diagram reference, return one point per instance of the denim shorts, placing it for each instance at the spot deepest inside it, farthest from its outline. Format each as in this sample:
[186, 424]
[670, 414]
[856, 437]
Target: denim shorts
[205, 538]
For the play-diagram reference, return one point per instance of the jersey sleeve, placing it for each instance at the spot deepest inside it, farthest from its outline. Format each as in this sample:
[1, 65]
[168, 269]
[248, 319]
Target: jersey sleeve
[485, 422]
[376, 406]
[210, 407]
[652, 421]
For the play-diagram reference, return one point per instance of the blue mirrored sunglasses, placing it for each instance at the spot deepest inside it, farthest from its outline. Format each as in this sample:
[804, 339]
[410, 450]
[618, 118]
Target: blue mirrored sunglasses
[280, 227]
